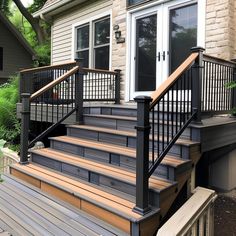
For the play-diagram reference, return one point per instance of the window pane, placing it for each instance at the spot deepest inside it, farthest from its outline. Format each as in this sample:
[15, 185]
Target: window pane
[145, 74]
[132, 2]
[1, 58]
[102, 58]
[183, 33]
[83, 37]
[85, 56]
[102, 32]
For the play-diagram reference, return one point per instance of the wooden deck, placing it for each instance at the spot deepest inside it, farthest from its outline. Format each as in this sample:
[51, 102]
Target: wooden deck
[25, 210]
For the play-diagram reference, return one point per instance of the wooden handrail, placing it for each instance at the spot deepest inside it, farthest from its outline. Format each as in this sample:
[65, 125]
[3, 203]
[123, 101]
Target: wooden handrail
[164, 87]
[47, 67]
[54, 83]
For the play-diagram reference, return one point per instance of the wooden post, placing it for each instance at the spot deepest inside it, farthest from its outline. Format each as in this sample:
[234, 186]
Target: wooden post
[79, 91]
[197, 84]
[142, 155]
[25, 120]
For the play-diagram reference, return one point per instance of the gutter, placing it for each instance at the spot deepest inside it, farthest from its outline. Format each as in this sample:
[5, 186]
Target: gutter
[56, 7]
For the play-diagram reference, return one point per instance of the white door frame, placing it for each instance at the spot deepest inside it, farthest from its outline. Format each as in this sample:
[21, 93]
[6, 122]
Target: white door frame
[148, 10]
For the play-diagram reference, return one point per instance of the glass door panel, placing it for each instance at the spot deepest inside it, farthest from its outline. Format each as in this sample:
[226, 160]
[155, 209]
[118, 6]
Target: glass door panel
[146, 43]
[183, 34]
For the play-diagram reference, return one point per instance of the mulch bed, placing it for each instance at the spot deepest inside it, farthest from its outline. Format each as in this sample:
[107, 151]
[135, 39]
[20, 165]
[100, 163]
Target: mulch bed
[225, 214]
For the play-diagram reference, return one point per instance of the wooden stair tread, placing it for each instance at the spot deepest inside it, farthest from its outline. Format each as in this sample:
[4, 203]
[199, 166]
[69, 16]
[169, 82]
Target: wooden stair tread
[181, 141]
[91, 194]
[114, 172]
[126, 151]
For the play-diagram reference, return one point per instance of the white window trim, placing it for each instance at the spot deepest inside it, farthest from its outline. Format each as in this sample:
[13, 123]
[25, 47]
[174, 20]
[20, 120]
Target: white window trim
[200, 32]
[90, 20]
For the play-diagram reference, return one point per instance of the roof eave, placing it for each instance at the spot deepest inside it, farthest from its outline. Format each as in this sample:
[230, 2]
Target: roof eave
[18, 35]
[55, 8]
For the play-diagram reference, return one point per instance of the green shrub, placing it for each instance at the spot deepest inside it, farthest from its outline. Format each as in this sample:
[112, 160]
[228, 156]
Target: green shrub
[9, 124]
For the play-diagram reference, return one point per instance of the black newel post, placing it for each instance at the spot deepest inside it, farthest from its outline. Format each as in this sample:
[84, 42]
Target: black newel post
[79, 91]
[234, 90]
[25, 120]
[117, 87]
[197, 84]
[142, 155]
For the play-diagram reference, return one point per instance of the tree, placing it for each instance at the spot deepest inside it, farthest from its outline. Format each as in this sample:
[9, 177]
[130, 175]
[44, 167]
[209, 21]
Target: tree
[36, 23]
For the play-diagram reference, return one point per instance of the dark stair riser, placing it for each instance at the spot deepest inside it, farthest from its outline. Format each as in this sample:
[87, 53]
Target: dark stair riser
[128, 141]
[132, 112]
[127, 125]
[111, 111]
[164, 171]
[93, 177]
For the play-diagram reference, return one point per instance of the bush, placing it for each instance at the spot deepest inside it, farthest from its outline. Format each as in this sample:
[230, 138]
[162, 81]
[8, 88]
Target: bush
[9, 124]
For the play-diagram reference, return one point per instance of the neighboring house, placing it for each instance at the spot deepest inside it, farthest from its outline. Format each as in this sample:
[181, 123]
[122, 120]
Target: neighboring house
[15, 52]
[156, 36]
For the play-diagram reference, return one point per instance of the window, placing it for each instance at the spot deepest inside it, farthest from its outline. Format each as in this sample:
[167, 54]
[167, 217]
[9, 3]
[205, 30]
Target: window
[1, 58]
[93, 43]
[83, 44]
[133, 2]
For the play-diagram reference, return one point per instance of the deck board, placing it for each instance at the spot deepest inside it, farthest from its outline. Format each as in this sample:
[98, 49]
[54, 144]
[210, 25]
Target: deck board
[24, 211]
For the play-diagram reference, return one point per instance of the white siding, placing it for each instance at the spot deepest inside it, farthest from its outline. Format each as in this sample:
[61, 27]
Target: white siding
[62, 40]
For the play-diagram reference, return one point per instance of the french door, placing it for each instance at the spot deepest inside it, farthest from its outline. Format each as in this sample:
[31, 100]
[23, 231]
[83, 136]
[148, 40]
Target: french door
[161, 38]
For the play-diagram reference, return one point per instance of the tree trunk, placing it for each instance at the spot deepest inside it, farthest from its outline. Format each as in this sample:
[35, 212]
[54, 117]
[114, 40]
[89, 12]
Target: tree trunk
[34, 22]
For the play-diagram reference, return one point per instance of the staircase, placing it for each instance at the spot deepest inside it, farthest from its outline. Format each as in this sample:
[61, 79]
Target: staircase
[123, 164]
[93, 168]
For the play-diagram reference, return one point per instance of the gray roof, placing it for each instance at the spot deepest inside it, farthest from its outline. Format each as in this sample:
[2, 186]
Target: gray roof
[17, 34]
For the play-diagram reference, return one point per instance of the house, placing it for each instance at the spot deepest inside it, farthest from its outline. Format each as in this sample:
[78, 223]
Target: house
[15, 51]
[88, 29]
[131, 164]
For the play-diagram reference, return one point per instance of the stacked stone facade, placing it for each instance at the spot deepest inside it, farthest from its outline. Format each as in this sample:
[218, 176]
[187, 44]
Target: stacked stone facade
[220, 28]
[119, 49]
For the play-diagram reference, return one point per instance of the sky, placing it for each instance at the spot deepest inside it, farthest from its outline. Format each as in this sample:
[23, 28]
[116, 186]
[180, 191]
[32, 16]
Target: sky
[26, 2]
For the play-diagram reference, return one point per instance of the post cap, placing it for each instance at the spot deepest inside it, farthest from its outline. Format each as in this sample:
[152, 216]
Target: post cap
[197, 49]
[25, 95]
[143, 98]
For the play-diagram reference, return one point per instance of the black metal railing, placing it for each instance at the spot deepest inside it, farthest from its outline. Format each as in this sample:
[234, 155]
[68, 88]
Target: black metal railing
[57, 100]
[216, 97]
[196, 88]
[34, 79]
[101, 85]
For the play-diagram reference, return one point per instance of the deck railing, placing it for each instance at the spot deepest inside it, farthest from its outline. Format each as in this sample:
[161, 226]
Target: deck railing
[195, 88]
[7, 158]
[216, 97]
[57, 98]
[195, 217]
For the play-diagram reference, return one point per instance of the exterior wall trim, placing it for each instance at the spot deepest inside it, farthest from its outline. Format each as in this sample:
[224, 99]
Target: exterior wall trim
[91, 19]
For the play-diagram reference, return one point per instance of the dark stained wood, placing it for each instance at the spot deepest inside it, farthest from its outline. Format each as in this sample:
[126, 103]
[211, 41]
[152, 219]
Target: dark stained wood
[43, 68]
[115, 220]
[29, 179]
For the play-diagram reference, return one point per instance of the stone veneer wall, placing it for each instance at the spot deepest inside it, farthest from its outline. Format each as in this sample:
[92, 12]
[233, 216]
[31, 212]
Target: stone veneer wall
[220, 28]
[119, 50]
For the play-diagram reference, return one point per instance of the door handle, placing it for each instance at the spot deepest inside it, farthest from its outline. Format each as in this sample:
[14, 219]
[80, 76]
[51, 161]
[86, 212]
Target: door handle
[158, 56]
[164, 56]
